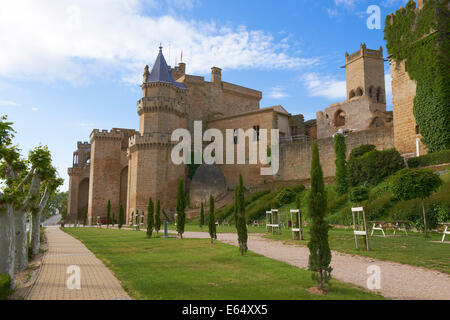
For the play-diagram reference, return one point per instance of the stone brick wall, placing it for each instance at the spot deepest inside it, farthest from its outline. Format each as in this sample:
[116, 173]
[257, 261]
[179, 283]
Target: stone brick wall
[404, 92]
[295, 157]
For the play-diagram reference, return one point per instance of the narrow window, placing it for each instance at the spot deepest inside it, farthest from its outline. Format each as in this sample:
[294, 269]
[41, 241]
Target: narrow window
[235, 136]
[256, 133]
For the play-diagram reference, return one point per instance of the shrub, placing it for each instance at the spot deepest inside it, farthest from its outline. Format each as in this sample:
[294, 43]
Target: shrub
[284, 196]
[5, 286]
[430, 159]
[298, 188]
[374, 166]
[360, 151]
[359, 195]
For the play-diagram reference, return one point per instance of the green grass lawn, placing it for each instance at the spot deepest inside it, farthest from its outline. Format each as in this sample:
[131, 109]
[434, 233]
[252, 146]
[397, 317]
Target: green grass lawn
[187, 269]
[414, 249]
[194, 226]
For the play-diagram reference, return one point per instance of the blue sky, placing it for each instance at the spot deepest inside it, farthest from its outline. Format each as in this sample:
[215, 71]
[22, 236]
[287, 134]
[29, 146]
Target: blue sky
[67, 67]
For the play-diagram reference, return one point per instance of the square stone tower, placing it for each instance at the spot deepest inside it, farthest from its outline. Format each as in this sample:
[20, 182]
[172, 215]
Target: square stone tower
[365, 74]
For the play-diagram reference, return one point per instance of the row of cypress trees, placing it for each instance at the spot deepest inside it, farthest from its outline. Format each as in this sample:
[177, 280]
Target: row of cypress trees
[108, 215]
[153, 221]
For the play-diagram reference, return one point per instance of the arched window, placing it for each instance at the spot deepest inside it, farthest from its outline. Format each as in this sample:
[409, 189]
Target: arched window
[359, 92]
[339, 118]
[351, 94]
[371, 93]
[379, 97]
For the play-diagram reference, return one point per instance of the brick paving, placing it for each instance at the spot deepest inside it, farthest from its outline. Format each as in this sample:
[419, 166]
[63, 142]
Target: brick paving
[97, 281]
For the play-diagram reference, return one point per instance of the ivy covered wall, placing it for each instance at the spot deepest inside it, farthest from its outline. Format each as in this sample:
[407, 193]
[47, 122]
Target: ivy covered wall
[421, 37]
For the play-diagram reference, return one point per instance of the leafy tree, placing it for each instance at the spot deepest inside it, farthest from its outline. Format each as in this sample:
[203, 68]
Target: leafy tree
[108, 213]
[181, 205]
[212, 219]
[319, 248]
[408, 184]
[202, 215]
[158, 217]
[121, 216]
[340, 150]
[150, 218]
[241, 220]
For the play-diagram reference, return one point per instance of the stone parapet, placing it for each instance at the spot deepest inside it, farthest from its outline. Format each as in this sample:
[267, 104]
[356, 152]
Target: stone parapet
[161, 104]
[114, 134]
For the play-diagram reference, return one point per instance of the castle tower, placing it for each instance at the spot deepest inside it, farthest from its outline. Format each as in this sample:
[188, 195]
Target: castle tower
[161, 110]
[365, 74]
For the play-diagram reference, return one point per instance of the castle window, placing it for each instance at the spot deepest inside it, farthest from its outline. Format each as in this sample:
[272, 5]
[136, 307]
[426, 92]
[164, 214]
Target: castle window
[235, 136]
[339, 118]
[359, 92]
[379, 95]
[371, 92]
[256, 133]
[351, 94]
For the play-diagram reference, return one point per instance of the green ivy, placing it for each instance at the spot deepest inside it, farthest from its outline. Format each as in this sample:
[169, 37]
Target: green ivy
[421, 38]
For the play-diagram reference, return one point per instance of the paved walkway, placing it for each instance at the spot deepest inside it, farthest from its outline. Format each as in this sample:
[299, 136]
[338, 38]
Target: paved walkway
[398, 281]
[97, 281]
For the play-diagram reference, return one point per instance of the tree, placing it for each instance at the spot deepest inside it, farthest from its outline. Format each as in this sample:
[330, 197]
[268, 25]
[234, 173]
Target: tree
[235, 209]
[158, 217]
[202, 215]
[150, 218]
[408, 184]
[114, 219]
[181, 205]
[340, 150]
[319, 248]
[121, 217]
[212, 219]
[241, 220]
[27, 184]
[108, 213]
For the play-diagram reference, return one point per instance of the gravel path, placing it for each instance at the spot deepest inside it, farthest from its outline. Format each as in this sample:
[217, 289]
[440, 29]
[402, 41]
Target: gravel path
[398, 281]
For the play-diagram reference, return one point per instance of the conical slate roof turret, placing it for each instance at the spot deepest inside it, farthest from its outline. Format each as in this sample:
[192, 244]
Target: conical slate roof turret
[161, 73]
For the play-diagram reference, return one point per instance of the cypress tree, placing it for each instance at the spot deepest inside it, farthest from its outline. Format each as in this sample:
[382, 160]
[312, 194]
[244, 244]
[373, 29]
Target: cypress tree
[319, 248]
[181, 205]
[150, 217]
[202, 215]
[340, 149]
[158, 217]
[212, 219]
[108, 213]
[241, 220]
[137, 219]
[120, 216]
[114, 219]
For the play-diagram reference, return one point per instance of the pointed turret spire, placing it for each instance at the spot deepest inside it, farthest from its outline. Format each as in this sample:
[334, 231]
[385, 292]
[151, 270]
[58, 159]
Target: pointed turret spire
[160, 71]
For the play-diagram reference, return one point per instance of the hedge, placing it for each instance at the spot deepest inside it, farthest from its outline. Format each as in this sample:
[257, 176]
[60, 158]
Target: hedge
[430, 159]
[5, 286]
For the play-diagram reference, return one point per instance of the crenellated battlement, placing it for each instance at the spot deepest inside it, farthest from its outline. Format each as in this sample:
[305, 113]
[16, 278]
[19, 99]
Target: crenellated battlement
[149, 140]
[161, 104]
[113, 134]
[363, 52]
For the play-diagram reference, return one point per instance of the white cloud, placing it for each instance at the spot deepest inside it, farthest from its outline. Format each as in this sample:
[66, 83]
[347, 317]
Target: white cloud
[277, 92]
[34, 109]
[75, 41]
[324, 86]
[9, 103]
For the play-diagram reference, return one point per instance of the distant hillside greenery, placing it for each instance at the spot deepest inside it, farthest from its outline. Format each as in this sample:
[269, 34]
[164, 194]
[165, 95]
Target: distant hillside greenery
[381, 205]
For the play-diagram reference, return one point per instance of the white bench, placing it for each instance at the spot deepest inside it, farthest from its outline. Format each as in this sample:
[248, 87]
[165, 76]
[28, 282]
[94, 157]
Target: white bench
[446, 231]
[299, 229]
[270, 223]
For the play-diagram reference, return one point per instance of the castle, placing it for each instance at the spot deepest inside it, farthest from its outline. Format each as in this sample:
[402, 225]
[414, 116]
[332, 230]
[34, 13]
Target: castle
[127, 166]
